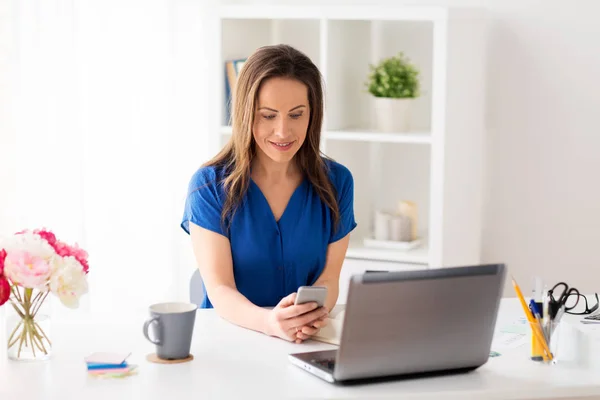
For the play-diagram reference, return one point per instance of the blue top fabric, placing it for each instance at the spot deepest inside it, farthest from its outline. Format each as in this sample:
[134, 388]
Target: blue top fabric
[271, 259]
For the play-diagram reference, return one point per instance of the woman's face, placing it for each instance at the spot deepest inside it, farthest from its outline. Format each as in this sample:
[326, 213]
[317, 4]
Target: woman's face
[281, 118]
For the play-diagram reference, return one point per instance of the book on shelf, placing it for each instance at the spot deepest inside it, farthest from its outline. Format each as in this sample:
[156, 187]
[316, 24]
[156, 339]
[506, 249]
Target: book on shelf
[232, 71]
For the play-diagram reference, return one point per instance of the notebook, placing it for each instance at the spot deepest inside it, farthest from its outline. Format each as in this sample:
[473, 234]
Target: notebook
[332, 332]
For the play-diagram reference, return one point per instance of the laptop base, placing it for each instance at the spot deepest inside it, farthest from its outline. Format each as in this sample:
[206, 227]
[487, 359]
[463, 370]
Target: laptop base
[315, 362]
[309, 362]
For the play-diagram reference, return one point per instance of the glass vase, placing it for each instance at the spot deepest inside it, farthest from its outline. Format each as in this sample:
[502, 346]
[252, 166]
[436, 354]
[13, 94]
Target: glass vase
[28, 326]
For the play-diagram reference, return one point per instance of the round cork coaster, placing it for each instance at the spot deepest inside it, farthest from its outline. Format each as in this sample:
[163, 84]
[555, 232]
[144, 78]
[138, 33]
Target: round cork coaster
[154, 358]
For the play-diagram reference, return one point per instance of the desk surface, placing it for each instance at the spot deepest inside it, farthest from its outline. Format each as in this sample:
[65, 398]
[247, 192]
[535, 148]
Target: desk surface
[231, 362]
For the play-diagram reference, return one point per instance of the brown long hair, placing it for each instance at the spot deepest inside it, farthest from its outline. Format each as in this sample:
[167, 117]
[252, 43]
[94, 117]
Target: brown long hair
[237, 155]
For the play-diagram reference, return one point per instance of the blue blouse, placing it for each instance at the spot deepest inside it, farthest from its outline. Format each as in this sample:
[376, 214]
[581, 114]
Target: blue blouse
[271, 259]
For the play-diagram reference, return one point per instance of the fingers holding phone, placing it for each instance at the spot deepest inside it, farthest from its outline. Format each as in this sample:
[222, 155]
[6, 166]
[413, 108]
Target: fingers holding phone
[308, 294]
[307, 331]
[287, 316]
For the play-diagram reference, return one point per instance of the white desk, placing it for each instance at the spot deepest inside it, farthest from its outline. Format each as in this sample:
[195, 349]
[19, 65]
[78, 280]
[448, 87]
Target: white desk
[231, 362]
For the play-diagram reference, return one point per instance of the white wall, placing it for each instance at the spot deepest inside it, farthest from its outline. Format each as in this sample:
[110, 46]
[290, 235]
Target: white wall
[542, 200]
[7, 139]
[103, 124]
[541, 215]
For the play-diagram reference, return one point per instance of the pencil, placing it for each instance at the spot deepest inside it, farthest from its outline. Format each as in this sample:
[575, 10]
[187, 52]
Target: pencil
[535, 327]
[539, 321]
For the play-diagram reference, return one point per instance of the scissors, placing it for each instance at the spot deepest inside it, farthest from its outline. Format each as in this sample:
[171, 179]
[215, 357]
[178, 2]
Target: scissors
[556, 303]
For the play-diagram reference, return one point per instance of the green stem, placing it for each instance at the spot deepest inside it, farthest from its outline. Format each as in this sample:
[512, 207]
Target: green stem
[11, 344]
[30, 333]
[21, 313]
[28, 292]
[37, 306]
[10, 338]
[26, 331]
[33, 344]
[21, 342]
[37, 296]
[15, 291]
[43, 333]
[40, 342]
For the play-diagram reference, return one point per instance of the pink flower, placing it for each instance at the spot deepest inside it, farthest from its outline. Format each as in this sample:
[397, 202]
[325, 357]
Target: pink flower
[47, 236]
[26, 270]
[2, 257]
[4, 285]
[4, 290]
[63, 249]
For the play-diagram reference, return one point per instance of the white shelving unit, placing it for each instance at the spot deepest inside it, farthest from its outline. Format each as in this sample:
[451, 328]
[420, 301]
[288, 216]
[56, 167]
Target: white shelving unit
[438, 164]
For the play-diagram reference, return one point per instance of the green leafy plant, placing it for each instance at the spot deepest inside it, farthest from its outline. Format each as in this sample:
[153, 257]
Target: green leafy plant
[394, 77]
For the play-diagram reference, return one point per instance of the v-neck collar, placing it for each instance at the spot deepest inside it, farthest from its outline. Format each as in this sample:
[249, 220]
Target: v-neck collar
[287, 206]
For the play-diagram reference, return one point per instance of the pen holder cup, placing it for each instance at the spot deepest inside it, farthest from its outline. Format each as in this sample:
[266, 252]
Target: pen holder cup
[544, 339]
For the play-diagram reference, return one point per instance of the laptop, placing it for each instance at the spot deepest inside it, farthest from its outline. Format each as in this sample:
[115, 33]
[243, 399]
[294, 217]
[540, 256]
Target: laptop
[412, 323]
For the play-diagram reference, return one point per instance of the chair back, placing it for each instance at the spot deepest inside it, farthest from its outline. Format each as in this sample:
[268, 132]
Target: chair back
[196, 288]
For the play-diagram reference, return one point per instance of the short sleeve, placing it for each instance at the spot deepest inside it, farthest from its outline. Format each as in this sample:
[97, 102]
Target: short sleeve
[344, 183]
[204, 202]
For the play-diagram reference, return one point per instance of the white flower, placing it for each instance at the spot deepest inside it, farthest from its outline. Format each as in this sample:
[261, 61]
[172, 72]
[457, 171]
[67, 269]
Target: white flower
[68, 280]
[30, 243]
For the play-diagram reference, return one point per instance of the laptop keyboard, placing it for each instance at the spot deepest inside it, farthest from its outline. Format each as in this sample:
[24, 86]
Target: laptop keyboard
[327, 364]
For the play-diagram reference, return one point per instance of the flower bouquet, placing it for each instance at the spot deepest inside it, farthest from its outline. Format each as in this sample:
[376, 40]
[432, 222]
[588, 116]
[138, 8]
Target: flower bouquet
[33, 264]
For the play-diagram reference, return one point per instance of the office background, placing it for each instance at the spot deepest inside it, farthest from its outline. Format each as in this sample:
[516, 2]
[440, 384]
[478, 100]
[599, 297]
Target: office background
[103, 107]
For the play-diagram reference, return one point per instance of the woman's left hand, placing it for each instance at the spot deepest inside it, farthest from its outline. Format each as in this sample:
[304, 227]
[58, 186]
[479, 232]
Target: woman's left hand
[307, 331]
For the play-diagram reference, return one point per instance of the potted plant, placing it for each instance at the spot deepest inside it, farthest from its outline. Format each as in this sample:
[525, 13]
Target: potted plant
[394, 83]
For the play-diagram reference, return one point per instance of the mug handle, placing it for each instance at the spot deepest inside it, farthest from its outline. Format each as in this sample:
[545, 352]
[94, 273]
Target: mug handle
[146, 326]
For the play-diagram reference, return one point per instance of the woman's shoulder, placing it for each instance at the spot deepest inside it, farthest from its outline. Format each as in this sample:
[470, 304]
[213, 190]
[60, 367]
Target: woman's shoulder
[204, 201]
[338, 173]
[206, 176]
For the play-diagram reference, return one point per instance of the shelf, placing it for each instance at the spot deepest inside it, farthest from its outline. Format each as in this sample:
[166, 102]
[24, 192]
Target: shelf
[357, 250]
[382, 137]
[435, 161]
[352, 47]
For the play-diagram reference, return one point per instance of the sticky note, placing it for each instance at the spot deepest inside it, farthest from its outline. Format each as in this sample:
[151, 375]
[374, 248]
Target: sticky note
[107, 358]
[114, 373]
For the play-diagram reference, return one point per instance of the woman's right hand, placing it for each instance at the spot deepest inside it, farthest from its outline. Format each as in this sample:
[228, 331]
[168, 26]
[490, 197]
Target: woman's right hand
[286, 317]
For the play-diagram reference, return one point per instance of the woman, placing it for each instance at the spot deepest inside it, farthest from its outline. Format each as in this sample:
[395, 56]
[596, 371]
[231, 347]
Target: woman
[269, 213]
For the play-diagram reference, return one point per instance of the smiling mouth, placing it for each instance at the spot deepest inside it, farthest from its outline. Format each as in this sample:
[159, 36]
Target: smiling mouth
[282, 145]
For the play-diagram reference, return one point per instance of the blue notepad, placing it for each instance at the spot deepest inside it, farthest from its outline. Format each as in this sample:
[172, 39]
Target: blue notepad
[104, 360]
[91, 366]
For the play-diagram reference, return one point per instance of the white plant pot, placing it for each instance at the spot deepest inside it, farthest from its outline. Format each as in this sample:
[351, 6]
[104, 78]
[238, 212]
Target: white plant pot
[392, 115]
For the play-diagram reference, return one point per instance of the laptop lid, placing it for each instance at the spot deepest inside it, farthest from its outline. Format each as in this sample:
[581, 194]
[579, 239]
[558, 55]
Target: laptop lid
[419, 321]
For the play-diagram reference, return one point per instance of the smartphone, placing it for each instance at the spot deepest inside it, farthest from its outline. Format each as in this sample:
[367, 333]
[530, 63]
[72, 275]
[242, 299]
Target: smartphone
[306, 294]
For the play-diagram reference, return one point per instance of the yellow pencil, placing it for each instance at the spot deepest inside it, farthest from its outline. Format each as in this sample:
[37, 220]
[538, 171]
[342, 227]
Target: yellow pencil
[535, 326]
